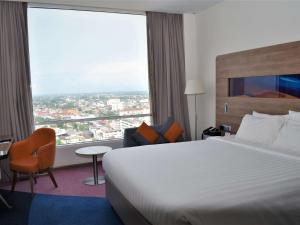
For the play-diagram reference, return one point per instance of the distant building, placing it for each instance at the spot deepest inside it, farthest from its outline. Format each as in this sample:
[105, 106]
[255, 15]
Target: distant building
[115, 124]
[133, 111]
[144, 101]
[105, 133]
[115, 104]
[87, 134]
[126, 124]
[94, 105]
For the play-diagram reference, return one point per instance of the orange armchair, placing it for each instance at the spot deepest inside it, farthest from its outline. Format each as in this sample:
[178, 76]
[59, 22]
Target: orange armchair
[33, 155]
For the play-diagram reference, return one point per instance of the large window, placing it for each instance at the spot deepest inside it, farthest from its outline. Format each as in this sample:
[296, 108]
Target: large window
[89, 73]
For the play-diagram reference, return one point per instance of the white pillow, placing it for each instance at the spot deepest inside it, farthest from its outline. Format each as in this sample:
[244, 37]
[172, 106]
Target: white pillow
[259, 130]
[294, 115]
[264, 115]
[289, 136]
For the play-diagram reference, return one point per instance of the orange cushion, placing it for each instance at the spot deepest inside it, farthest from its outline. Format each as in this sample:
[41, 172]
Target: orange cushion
[173, 133]
[27, 164]
[148, 133]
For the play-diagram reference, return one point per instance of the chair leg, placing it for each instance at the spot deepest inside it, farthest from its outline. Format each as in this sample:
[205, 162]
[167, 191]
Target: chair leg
[35, 179]
[52, 177]
[31, 182]
[14, 181]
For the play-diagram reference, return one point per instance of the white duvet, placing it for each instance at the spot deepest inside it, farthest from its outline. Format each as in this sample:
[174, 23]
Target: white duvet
[212, 182]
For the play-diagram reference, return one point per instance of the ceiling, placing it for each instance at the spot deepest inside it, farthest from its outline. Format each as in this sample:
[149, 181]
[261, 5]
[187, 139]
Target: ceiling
[170, 6]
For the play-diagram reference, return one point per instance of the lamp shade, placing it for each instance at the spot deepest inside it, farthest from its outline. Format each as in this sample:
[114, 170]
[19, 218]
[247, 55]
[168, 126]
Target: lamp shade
[193, 87]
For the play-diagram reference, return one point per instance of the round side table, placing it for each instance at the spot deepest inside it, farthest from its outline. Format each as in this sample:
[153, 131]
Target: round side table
[94, 151]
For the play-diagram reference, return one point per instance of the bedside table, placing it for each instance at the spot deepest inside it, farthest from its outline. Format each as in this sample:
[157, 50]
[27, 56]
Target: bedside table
[211, 132]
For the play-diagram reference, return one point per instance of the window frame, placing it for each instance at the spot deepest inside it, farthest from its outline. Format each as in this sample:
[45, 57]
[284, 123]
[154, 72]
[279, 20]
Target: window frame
[56, 122]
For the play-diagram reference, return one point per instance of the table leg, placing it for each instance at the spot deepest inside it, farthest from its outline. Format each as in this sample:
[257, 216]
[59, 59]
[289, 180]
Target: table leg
[95, 166]
[96, 179]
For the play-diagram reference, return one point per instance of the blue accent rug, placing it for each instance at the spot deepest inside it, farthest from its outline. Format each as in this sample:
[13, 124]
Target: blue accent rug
[42, 209]
[19, 214]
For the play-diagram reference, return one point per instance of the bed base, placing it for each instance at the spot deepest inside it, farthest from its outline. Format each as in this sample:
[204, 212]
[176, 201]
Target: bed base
[126, 211]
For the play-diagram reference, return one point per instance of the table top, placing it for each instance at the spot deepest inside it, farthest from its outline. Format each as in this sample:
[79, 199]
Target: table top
[4, 147]
[93, 150]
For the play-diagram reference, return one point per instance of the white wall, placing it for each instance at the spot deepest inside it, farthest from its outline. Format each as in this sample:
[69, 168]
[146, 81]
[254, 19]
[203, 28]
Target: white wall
[235, 26]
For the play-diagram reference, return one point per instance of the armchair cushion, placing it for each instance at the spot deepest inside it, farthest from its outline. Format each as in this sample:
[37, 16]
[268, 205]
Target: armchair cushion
[28, 164]
[20, 149]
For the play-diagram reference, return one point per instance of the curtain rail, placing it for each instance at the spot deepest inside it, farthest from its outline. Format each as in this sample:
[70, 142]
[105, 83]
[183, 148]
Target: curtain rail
[85, 8]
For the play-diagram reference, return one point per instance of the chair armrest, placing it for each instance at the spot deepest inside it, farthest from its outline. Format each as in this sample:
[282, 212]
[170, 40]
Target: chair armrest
[46, 155]
[20, 149]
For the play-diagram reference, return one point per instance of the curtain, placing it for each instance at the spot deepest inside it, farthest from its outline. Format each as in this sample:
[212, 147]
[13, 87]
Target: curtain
[167, 69]
[16, 113]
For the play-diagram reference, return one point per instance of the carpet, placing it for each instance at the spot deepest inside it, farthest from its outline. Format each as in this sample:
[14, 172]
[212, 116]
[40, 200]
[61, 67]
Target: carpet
[21, 203]
[41, 209]
[69, 180]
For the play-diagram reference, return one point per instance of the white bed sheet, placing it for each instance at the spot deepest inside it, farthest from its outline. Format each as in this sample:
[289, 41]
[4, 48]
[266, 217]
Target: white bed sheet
[213, 182]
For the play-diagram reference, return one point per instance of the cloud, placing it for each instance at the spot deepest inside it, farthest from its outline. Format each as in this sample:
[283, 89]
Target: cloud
[117, 68]
[119, 73]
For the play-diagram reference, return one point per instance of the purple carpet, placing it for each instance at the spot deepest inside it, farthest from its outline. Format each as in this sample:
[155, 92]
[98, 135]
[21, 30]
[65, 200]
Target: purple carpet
[69, 180]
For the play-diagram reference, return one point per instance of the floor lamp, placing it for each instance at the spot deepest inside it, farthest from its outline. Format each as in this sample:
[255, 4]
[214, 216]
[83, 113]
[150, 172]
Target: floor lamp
[194, 88]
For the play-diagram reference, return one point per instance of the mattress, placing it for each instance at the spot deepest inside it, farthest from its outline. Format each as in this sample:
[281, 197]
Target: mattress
[218, 181]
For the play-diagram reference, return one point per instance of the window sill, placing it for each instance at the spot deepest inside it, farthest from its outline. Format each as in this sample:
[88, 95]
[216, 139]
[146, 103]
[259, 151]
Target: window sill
[66, 156]
[93, 143]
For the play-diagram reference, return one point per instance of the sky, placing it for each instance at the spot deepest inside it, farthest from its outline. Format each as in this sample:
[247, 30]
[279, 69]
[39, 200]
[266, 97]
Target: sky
[86, 52]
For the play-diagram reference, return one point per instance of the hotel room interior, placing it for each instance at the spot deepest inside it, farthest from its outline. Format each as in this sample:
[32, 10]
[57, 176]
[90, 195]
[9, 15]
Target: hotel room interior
[180, 112]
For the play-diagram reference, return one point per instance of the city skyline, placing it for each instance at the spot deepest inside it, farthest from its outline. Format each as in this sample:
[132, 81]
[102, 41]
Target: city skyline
[89, 93]
[68, 109]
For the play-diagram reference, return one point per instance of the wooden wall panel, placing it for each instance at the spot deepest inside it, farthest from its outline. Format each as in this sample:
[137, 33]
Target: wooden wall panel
[273, 60]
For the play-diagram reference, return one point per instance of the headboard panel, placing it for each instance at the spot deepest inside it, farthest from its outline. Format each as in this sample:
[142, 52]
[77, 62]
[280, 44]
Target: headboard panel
[273, 60]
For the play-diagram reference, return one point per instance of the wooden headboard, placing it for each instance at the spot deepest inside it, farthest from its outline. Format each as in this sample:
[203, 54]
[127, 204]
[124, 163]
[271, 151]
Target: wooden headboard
[273, 60]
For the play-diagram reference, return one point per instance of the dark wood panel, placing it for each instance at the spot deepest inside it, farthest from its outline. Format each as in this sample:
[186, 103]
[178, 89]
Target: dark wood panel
[272, 60]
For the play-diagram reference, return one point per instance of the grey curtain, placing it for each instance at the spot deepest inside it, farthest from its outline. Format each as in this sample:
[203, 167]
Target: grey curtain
[16, 113]
[167, 69]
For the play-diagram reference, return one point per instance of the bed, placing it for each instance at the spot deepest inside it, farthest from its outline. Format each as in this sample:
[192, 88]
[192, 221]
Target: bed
[213, 182]
[220, 181]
